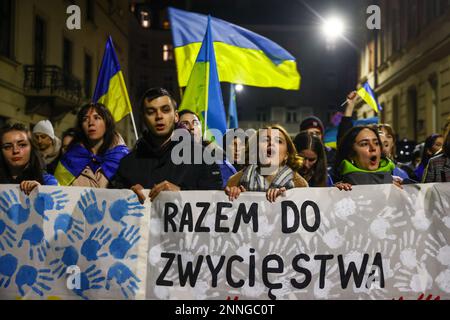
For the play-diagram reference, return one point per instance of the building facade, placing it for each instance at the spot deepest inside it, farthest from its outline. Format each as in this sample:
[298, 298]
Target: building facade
[48, 71]
[407, 63]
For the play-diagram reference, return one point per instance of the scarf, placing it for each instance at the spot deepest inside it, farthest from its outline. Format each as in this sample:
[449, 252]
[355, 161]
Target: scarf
[347, 167]
[252, 180]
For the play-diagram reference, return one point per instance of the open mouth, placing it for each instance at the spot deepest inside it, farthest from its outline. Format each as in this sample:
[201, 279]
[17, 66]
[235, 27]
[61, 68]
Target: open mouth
[373, 160]
[160, 127]
[270, 152]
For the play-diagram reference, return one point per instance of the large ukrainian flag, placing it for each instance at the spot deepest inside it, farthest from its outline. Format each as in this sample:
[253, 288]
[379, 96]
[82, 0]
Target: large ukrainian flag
[203, 94]
[243, 57]
[111, 89]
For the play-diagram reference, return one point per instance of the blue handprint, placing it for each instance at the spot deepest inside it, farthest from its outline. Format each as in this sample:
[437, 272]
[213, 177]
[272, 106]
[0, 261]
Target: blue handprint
[7, 235]
[8, 265]
[70, 226]
[127, 238]
[69, 258]
[10, 205]
[122, 208]
[88, 205]
[88, 281]
[35, 236]
[97, 239]
[49, 201]
[30, 276]
[124, 277]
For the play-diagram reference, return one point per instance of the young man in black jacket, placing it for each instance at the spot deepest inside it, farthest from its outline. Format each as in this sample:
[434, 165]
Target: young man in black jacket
[150, 164]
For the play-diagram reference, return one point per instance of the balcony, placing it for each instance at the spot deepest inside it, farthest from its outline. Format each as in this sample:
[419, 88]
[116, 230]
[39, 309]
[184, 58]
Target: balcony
[50, 92]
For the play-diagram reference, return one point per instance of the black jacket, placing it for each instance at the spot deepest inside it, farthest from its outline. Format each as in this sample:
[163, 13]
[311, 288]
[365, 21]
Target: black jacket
[149, 164]
[362, 178]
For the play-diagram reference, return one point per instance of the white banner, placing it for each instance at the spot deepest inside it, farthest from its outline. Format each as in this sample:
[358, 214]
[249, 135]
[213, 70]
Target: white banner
[374, 242]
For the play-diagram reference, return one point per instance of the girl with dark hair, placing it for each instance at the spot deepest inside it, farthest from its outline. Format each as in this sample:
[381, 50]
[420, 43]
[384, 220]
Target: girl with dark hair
[438, 168]
[276, 168]
[360, 159]
[432, 146]
[20, 161]
[314, 168]
[93, 157]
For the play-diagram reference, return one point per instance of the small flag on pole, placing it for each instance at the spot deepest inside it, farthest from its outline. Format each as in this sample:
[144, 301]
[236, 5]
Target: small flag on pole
[111, 89]
[366, 93]
[232, 110]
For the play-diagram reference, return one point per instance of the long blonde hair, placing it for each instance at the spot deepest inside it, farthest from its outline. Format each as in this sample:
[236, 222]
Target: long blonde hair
[294, 161]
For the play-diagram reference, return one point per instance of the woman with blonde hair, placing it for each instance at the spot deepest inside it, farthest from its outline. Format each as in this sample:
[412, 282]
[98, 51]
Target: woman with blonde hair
[274, 169]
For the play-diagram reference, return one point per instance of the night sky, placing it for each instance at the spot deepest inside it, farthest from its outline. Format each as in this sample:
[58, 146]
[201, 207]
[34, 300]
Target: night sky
[327, 76]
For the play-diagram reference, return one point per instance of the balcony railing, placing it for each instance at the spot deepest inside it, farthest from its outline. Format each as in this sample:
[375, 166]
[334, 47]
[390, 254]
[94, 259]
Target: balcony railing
[42, 80]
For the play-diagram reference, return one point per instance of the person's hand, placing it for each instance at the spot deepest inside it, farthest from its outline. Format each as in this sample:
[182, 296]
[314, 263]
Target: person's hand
[234, 192]
[397, 182]
[163, 186]
[351, 100]
[272, 194]
[137, 188]
[343, 186]
[28, 186]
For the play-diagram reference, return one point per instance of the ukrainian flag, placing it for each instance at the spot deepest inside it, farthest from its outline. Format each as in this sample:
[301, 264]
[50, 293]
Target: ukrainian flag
[243, 57]
[232, 109]
[366, 93]
[203, 94]
[111, 89]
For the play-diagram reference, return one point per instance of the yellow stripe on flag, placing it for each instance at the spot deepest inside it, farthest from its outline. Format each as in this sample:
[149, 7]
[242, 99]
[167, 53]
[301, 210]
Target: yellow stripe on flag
[116, 99]
[240, 65]
[368, 99]
[64, 177]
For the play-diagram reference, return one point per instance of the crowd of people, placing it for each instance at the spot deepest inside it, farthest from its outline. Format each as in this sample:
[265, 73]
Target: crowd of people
[93, 154]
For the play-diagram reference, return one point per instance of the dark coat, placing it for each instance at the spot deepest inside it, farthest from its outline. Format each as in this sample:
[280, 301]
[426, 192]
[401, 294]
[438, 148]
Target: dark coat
[438, 169]
[361, 178]
[149, 164]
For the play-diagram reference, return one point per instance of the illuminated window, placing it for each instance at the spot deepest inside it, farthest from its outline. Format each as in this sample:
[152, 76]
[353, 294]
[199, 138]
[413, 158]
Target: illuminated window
[167, 52]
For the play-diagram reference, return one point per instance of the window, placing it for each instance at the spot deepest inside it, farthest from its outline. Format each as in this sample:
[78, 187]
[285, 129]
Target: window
[371, 56]
[261, 117]
[444, 6]
[67, 57]
[412, 21]
[288, 117]
[90, 10]
[167, 52]
[87, 75]
[395, 27]
[6, 28]
[39, 51]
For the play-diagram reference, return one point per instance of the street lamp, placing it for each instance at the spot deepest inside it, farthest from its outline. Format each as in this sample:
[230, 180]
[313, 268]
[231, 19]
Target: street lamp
[239, 87]
[333, 28]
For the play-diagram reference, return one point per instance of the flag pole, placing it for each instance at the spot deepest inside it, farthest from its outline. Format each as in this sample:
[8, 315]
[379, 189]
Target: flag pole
[134, 125]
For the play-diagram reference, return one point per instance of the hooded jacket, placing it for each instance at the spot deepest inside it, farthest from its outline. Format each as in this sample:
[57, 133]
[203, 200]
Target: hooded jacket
[150, 164]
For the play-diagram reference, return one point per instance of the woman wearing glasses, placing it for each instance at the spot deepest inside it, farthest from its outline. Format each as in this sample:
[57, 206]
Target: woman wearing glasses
[20, 162]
